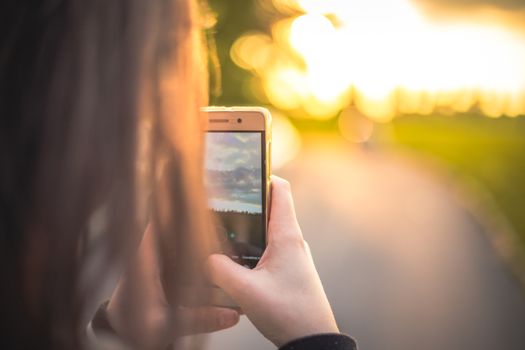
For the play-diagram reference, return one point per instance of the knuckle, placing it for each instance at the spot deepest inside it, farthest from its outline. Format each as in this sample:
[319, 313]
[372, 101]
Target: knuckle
[306, 247]
[293, 241]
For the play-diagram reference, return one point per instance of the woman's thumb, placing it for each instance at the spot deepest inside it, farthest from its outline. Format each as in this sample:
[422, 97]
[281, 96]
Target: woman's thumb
[231, 277]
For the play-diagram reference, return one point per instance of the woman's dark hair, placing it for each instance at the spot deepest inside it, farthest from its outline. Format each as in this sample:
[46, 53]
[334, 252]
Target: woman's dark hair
[99, 133]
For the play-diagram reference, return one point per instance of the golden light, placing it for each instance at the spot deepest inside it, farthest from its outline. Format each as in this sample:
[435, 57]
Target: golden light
[286, 141]
[386, 58]
[354, 126]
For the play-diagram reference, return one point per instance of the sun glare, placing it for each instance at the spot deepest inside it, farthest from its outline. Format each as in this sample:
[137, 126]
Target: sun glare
[385, 58]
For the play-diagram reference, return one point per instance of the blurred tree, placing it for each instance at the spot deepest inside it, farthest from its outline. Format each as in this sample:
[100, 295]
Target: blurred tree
[235, 18]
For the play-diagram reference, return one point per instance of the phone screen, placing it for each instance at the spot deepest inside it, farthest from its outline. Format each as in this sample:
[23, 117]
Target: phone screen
[234, 178]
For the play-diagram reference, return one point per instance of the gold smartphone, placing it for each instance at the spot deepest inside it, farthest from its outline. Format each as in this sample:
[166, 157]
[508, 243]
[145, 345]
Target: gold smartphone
[237, 181]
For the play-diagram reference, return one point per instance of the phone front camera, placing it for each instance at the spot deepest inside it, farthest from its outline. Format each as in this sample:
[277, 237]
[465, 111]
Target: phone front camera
[239, 120]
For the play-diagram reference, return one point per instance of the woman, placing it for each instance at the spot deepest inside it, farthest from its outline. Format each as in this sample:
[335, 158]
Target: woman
[101, 137]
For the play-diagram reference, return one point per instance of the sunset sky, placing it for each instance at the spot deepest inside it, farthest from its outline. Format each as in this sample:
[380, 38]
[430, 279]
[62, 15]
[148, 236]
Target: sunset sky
[391, 57]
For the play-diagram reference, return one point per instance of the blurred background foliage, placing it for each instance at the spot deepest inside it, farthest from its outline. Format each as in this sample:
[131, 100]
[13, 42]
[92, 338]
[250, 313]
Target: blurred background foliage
[385, 75]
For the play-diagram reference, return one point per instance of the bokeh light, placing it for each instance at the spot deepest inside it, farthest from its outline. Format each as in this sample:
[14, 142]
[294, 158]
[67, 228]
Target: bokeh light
[286, 140]
[385, 57]
[354, 126]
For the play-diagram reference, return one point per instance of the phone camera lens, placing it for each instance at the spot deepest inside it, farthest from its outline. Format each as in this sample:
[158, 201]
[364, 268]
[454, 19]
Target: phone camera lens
[239, 120]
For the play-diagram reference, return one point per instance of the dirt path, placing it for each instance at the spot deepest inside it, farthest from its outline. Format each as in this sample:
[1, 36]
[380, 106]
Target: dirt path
[404, 266]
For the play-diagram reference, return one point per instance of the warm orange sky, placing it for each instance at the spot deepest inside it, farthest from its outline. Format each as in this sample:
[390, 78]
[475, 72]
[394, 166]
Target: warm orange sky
[509, 13]
[390, 57]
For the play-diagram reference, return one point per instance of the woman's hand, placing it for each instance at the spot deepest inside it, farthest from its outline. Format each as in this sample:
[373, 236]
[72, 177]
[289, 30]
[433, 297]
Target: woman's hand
[140, 314]
[282, 296]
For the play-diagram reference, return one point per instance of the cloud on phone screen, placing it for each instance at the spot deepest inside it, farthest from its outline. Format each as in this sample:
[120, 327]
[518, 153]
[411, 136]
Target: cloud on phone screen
[233, 171]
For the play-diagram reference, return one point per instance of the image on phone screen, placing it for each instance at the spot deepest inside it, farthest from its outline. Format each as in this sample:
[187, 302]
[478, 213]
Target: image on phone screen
[234, 183]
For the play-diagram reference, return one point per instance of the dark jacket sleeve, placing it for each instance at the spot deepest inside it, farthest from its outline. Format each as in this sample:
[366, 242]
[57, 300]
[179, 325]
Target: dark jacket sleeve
[330, 341]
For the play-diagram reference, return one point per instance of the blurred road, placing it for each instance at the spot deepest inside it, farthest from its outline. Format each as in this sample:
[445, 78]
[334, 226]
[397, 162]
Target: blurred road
[404, 266]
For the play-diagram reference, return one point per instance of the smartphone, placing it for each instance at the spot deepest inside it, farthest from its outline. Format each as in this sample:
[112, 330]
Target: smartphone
[237, 179]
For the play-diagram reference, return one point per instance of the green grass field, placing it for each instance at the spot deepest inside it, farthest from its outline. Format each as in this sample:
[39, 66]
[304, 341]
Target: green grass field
[491, 151]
